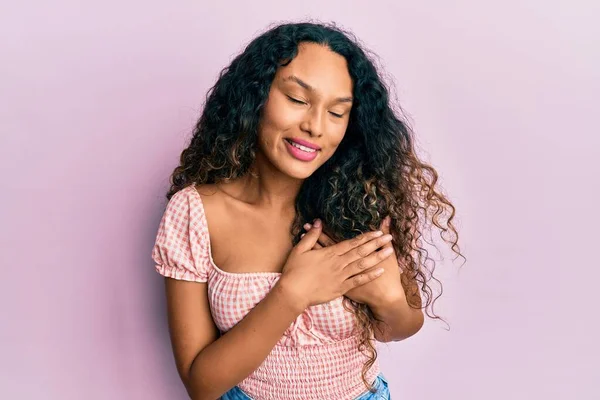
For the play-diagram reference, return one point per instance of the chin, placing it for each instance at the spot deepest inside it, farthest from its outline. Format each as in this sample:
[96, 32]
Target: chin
[298, 172]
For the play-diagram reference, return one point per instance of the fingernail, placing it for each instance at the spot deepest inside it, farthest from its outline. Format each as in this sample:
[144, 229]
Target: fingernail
[301, 236]
[379, 271]
[317, 223]
[387, 251]
[378, 233]
[388, 238]
[307, 226]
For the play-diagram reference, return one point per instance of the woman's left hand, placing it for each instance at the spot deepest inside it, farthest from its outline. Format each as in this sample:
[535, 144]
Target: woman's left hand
[387, 287]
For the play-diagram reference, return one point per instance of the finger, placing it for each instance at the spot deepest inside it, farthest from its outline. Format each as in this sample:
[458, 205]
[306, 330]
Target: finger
[323, 244]
[361, 279]
[349, 244]
[385, 227]
[317, 246]
[324, 240]
[367, 248]
[310, 238]
[385, 224]
[363, 264]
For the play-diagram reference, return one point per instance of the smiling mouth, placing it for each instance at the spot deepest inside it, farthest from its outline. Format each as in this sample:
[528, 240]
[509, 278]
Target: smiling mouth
[301, 147]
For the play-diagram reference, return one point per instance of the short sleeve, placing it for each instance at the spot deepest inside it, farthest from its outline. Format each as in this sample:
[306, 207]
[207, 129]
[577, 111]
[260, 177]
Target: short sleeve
[181, 249]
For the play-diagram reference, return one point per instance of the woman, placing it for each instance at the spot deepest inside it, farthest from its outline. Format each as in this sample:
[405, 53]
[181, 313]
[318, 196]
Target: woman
[289, 242]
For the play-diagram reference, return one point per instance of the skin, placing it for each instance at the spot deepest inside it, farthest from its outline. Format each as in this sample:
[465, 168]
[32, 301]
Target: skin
[259, 208]
[386, 296]
[310, 113]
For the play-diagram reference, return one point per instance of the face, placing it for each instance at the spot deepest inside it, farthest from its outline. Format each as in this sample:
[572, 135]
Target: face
[307, 111]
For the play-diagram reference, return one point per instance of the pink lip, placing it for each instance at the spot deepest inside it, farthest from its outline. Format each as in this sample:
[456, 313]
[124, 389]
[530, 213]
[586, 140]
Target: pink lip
[300, 154]
[305, 143]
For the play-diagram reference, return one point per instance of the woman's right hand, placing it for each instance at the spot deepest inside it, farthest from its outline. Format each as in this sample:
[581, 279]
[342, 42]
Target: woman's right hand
[313, 277]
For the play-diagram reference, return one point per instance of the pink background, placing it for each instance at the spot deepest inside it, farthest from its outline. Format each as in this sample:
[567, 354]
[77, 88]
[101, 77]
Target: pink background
[98, 99]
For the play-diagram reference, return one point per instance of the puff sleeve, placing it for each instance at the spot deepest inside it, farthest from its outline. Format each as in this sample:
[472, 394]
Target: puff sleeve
[181, 250]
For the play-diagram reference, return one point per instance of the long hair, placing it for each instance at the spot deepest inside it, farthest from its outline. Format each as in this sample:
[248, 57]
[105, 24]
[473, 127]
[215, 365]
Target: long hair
[374, 173]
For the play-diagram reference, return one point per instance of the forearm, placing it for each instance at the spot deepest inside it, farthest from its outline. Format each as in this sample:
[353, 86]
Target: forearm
[235, 355]
[399, 319]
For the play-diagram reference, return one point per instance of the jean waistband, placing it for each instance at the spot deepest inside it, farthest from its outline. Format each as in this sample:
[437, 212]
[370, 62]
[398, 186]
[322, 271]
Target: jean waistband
[380, 385]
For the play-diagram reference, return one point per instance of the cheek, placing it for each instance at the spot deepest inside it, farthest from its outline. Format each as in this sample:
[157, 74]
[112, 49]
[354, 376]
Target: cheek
[267, 130]
[337, 135]
[278, 116]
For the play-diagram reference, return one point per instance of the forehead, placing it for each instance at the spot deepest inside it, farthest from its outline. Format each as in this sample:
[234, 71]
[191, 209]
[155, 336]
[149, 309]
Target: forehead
[323, 69]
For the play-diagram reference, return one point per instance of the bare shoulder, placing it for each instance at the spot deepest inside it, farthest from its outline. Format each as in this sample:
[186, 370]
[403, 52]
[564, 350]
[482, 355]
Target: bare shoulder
[212, 194]
[213, 199]
[207, 191]
[222, 200]
[223, 217]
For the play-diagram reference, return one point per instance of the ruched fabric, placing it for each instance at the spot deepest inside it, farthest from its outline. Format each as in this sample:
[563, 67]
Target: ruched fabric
[316, 358]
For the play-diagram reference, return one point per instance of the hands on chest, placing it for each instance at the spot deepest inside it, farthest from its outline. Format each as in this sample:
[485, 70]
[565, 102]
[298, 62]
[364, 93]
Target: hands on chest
[314, 274]
[387, 285]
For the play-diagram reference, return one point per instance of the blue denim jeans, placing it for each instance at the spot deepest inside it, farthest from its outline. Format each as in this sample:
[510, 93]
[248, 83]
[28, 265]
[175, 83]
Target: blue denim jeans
[381, 384]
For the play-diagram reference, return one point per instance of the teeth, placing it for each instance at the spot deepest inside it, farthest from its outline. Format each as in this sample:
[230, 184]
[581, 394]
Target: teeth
[303, 148]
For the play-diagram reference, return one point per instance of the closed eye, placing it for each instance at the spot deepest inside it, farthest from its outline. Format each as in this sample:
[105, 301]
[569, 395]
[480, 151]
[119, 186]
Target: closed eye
[293, 100]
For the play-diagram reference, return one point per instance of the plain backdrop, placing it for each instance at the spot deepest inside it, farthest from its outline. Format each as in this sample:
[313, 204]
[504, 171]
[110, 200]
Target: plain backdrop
[97, 100]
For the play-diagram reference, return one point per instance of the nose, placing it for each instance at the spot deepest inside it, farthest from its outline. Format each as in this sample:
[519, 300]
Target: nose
[313, 122]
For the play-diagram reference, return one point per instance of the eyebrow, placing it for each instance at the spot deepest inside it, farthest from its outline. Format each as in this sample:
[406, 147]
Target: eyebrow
[306, 86]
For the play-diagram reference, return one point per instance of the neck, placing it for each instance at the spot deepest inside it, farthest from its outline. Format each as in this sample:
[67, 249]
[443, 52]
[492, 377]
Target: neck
[267, 187]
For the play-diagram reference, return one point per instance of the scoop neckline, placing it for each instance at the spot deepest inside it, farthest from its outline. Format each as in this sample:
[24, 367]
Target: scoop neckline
[210, 257]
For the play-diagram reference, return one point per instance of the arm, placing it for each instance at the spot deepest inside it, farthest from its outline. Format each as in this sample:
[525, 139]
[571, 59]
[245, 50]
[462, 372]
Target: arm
[387, 297]
[400, 320]
[210, 365]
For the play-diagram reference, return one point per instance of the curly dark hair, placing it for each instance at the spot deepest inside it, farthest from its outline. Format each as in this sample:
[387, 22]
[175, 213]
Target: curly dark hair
[374, 173]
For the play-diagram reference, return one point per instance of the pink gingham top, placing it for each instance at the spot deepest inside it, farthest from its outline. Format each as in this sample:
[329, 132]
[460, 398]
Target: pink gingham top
[316, 358]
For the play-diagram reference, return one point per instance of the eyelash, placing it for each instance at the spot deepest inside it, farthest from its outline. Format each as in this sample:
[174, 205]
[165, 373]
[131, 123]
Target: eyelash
[293, 100]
